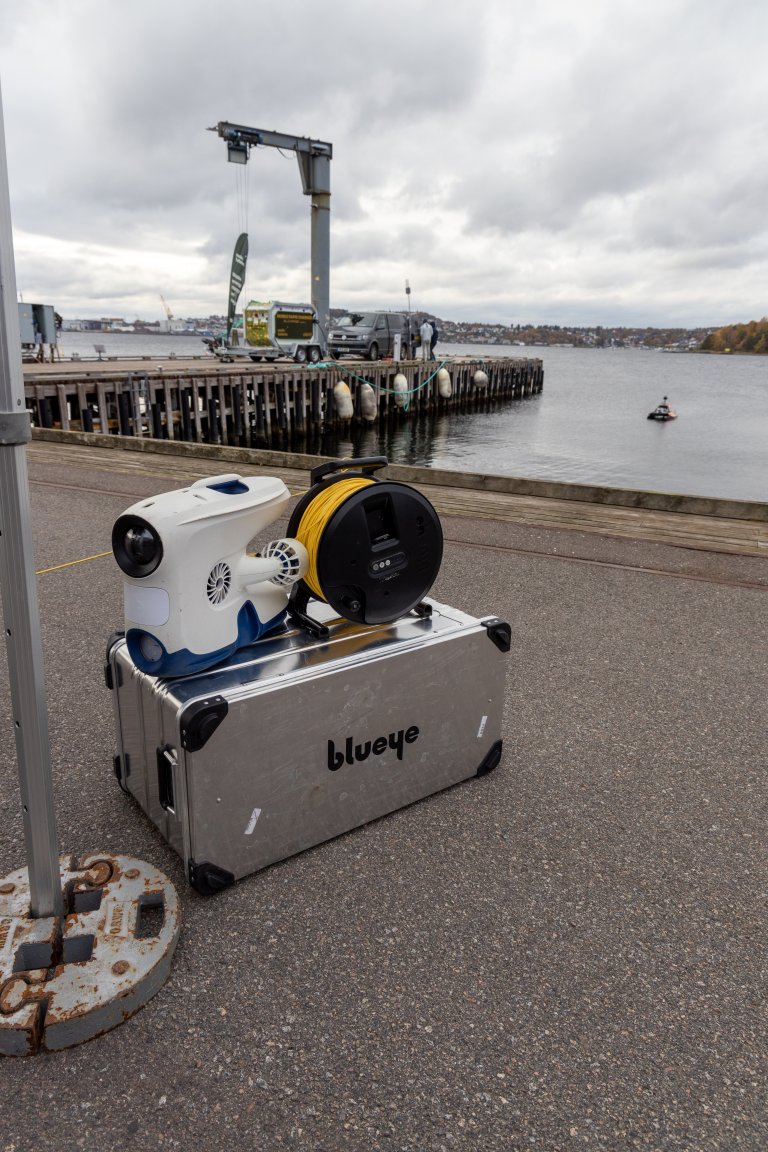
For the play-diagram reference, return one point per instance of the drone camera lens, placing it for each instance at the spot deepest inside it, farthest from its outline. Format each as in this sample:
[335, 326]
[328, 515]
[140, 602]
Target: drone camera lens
[140, 545]
[137, 547]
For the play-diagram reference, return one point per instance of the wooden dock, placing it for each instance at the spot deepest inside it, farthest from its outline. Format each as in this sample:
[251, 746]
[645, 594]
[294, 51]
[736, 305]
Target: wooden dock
[279, 404]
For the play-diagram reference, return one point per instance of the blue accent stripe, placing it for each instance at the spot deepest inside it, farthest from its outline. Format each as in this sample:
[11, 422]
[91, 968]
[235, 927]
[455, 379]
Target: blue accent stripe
[183, 662]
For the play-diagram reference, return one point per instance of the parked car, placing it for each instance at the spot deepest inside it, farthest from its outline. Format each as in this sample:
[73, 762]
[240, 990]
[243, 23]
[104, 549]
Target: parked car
[370, 334]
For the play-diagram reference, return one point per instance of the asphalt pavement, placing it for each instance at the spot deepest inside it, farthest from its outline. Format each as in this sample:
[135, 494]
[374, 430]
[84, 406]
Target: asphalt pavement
[567, 953]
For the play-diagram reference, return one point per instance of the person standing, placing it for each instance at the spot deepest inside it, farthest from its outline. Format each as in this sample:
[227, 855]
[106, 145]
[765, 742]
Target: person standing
[57, 323]
[426, 333]
[434, 340]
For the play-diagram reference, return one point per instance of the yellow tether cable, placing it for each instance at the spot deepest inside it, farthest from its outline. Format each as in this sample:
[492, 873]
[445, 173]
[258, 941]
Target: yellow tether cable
[315, 518]
[71, 563]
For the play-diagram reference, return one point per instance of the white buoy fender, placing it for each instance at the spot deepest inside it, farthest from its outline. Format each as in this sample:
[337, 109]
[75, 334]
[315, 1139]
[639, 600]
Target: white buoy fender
[400, 388]
[480, 380]
[367, 402]
[444, 386]
[342, 398]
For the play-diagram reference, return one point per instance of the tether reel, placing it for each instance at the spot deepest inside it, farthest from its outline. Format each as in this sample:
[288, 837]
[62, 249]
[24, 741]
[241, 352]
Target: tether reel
[375, 546]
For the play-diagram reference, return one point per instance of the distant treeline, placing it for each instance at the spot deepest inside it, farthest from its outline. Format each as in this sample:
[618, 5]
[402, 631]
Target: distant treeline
[751, 337]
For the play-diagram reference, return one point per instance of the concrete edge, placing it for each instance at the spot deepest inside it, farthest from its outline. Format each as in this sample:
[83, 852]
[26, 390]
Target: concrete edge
[473, 481]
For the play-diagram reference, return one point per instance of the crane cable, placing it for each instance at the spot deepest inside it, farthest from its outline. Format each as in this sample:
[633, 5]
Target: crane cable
[315, 519]
[242, 185]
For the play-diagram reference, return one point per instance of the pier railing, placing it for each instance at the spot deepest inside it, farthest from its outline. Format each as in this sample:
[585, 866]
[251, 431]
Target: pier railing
[268, 405]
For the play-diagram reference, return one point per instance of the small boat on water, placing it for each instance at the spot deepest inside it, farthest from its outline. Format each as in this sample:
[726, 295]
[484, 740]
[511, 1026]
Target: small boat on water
[662, 412]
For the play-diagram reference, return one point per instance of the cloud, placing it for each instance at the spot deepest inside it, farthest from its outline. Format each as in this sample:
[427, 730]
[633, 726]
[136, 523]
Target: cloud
[556, 161]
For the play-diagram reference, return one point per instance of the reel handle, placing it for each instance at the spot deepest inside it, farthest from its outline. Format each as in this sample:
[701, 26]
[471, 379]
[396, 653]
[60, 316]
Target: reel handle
[359, 464]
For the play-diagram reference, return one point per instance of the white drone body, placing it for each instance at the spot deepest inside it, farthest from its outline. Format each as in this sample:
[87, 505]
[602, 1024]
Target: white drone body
[193, 595]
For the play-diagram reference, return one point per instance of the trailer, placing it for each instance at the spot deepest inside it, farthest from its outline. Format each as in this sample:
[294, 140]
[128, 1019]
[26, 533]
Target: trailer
[273, 330]
[38, 328]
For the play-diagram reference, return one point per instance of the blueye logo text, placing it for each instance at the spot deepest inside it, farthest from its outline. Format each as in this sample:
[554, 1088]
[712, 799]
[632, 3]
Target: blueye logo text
[356, 753]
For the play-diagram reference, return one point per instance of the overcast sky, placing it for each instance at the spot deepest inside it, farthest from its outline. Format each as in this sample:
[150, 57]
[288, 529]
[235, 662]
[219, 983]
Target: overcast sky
[591, 162]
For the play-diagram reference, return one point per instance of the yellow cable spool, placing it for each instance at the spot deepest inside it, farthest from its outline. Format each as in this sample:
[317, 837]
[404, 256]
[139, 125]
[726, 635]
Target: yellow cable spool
[316, 517]
[374, 546]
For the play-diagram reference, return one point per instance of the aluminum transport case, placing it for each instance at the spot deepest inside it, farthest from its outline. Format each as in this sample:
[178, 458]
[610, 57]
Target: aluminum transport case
[294, 740]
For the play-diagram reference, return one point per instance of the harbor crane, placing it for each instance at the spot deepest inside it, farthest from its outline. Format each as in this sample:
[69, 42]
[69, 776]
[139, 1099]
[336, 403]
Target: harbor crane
[166, 309]
[314, 157]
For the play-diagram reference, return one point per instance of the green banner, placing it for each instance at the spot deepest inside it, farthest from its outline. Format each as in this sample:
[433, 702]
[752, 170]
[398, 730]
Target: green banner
[236, 278]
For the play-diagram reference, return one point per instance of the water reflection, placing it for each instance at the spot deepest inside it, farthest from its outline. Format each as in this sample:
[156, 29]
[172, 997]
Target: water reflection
[437, 441]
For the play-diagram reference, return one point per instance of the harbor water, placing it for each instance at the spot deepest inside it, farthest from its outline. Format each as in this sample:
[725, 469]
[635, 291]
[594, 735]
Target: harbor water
[588, 426]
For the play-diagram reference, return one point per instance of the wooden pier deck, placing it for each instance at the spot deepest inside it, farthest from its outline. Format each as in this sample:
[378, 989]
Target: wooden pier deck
[206, 402]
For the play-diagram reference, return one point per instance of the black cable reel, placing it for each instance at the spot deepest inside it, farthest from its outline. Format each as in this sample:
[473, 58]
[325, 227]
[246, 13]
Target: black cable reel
[375, 546]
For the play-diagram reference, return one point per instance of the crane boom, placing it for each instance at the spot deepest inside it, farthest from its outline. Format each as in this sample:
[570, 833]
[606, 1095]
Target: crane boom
[166, 309]
[314, 157]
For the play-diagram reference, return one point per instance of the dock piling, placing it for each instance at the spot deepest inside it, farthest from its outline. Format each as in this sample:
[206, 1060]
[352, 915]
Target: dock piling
[283, 404]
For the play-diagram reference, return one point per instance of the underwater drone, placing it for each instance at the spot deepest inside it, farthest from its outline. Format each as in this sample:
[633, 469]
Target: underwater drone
[193, 594]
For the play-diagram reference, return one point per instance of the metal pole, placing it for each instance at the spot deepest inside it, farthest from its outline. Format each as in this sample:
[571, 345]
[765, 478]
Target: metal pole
[320, 267]
[19, 593]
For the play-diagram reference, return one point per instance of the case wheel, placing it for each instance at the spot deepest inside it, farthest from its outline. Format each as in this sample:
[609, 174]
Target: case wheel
[492, 759]
[208, 879]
